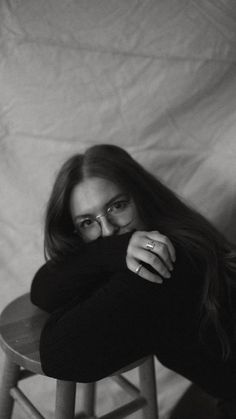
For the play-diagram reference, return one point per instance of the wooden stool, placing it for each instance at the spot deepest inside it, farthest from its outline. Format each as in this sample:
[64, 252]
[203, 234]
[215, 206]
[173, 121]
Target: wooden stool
[20, 326]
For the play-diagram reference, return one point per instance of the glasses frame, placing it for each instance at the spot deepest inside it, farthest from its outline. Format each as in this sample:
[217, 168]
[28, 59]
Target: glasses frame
[105, 214]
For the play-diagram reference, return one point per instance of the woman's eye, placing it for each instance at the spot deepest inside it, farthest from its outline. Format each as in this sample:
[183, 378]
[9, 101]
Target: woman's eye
[118, 206]
[85, 224]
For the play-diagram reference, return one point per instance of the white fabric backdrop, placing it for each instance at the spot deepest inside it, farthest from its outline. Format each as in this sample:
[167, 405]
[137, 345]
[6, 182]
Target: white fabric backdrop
[156, 77]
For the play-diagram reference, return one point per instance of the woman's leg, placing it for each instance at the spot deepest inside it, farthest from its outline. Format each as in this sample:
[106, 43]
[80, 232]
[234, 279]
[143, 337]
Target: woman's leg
[197, 363]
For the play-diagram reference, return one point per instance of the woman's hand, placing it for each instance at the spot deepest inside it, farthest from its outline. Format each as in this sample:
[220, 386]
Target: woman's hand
[150, 248]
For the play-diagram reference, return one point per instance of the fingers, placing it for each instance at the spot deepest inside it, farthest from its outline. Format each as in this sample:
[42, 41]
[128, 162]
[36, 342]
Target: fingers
[153, 249]
[144, 245]
[161, 250]
[143, 272]
[154, 261]
[146, 274]
[156, 236]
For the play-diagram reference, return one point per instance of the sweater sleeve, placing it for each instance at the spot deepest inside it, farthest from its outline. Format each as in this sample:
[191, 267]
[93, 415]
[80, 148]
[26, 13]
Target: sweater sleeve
[124, 320]
[75, 278]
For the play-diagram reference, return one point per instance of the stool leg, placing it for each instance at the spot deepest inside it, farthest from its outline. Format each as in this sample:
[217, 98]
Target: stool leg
[89, 396]
[65, 400]
[148, 388]
[9, 379]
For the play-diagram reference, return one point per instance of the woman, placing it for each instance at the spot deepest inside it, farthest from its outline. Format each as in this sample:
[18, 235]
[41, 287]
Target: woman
[133, 271]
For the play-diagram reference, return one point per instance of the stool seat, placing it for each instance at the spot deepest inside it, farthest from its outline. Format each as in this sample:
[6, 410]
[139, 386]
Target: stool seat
[21, 324]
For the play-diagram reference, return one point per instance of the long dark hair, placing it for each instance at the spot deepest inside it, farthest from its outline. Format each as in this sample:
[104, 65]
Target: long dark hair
[159, 208]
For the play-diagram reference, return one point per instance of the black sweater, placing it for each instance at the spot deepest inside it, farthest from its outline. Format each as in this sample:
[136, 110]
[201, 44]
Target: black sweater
[104, 317]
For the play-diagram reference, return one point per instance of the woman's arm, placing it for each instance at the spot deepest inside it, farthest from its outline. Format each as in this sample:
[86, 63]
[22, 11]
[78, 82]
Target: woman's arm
[55, 286]
[104, 333]
[77, 276]
[122, 321]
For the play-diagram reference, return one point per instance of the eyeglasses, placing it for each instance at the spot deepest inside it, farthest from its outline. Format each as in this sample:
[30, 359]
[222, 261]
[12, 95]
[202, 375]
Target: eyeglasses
[120, 213]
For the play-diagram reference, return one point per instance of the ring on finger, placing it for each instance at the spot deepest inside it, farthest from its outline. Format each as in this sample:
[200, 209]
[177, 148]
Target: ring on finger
[153, 243]
[138, 269]
[150, 244]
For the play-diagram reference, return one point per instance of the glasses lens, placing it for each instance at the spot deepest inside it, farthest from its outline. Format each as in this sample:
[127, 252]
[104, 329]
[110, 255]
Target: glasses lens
[120, 213]
[89, 230]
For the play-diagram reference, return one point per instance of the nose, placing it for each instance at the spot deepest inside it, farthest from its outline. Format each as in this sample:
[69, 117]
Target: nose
[107, 229]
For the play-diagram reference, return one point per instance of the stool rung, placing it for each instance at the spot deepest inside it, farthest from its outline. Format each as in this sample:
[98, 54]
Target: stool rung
[127, 409]
[25, 403]
[126, 385]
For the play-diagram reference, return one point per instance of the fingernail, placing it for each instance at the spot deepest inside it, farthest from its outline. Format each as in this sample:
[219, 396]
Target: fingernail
[168, 275]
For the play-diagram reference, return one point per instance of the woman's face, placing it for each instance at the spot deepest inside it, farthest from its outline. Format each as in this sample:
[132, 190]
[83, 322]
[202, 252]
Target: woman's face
[99, 208]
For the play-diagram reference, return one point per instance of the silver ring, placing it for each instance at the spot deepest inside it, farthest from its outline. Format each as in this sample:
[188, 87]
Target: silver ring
[137, 270]
[150, 245]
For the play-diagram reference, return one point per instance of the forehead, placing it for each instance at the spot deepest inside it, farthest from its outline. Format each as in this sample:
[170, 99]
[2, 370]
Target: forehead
[92, 195]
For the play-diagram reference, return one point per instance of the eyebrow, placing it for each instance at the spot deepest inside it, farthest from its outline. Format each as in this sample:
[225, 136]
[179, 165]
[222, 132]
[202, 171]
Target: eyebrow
[120, 195]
